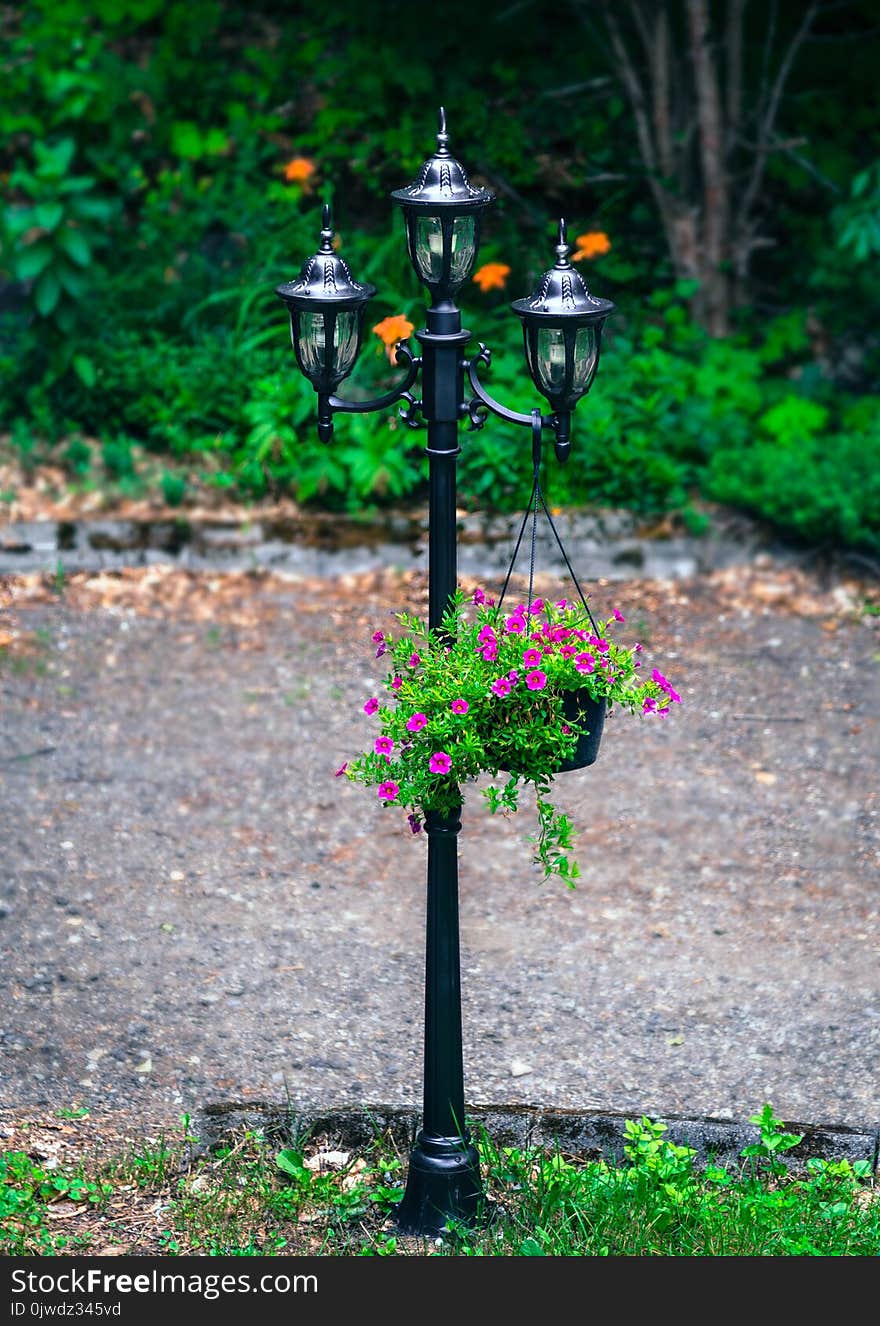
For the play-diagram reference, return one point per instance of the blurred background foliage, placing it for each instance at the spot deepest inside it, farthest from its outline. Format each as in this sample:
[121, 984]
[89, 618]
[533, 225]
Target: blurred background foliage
[163, 166]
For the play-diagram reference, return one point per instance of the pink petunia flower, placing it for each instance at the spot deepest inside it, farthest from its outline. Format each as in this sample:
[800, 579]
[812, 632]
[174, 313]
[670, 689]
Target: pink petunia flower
[514, 625]
[536, 681]
[415, 823]
[383, 745]
[413, 661]
[397, 683]
[618, 615]
[440, 762]
[500, 686]
[459, 706]
[372, 705]
[378, 637]
[341, 770]
[479, 596]
[585, 663]
[388, 791]
[416, 722]
[531, 657]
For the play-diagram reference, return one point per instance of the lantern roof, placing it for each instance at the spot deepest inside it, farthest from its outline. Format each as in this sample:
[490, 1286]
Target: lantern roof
[325, 278]
[442, 181]
[562, 291]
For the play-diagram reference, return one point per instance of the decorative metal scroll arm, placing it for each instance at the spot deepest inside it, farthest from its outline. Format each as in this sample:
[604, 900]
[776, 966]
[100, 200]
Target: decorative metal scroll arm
[482, 402]
[328, 405]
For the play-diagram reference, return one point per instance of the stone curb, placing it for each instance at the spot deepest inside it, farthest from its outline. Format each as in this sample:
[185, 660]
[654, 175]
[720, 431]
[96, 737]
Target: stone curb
[589, 1135]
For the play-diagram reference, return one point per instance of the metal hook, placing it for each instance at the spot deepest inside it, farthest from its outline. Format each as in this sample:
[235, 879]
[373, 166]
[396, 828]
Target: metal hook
[537, 429]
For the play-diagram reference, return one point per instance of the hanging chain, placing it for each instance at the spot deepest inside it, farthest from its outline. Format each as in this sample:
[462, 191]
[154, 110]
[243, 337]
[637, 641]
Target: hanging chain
[536, 500]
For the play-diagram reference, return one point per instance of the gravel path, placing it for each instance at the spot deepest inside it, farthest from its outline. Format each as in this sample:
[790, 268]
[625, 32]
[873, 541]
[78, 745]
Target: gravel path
[192, 909]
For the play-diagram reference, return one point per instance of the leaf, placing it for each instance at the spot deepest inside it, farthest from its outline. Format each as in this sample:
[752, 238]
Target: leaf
[186, 140]
[32, 260]
[75, 245]
[291, 1162]
[48, 215]
[47, 292]
[85, 370]
[71, 280]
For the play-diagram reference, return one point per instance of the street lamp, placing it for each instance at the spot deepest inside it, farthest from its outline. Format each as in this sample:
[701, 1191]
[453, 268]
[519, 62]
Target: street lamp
[562, 327]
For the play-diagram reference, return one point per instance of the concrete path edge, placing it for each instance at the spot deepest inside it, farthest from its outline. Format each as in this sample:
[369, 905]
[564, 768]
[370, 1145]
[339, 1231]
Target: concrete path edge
[590, 1135]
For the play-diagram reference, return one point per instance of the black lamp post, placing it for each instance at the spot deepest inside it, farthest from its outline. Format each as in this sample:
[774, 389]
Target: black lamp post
[562, 325]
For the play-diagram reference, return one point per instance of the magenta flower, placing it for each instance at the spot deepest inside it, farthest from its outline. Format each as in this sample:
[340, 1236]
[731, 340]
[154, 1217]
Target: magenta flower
[486, 636]
[459, 706]
[388, 791]
[440, 762]
[649, 706]
[568, 651]
[618, 615]
[536, 681]
[637, 648]
[415, 823]
[585, 663]
[378, 637]
[665, 686]
[500, 686]
[413, 661]
[416, 723]
[372, 705]
[562, 603]
[537, 605]
[490, 653]
[513, 675]
[479, 596]
[531, 657]
[341, 770]
[566, 729]
[514, 625]
[397, 683]
[383, 649]
[383, 745]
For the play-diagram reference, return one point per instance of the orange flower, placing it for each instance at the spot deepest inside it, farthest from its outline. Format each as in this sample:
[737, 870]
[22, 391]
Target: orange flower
[491, 276]
[391, 330]
[299, 171]
[591, 245]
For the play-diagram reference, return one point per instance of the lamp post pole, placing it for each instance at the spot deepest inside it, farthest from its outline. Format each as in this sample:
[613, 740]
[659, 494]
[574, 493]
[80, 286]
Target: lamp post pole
[443, 1180]
[562, 325]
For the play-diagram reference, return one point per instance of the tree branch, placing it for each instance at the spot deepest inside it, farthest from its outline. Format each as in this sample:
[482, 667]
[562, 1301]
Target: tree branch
[768, 116]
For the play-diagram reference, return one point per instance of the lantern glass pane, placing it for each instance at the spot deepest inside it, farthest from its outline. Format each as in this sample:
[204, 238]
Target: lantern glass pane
[584, 358]
[312, 343]
[429, 247]
[551, 359]
[464, 248]
[345, 341]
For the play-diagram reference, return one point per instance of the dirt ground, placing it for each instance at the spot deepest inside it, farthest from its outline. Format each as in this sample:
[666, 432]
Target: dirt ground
[193, 909]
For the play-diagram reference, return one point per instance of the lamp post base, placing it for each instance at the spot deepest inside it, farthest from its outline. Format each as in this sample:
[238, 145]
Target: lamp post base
[443, 1184]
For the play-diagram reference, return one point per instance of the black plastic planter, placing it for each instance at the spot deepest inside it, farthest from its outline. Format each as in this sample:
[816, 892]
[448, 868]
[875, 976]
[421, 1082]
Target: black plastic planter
[581, 709]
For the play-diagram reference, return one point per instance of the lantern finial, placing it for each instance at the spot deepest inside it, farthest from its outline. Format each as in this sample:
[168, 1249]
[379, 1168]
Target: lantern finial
[326, 229]
[442, 135]
[563, 249]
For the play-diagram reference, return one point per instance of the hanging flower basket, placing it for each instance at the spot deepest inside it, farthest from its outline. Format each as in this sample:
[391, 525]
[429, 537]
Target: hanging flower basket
[522, 693]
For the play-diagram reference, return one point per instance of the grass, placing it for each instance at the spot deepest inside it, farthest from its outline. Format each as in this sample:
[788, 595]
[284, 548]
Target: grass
[247, 1198]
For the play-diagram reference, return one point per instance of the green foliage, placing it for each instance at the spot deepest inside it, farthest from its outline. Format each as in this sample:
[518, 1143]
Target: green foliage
[857, 221]
[26, 1190]
[774, 1141]
[148, 218]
